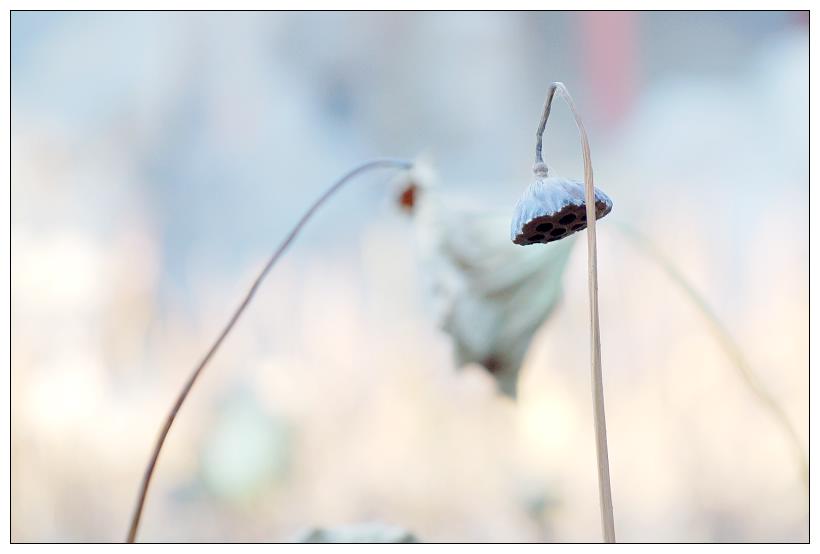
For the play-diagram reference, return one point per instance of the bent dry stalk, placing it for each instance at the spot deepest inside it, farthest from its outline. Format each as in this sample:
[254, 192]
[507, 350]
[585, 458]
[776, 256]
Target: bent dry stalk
[149, 471]
[728, 343]
[552, 209]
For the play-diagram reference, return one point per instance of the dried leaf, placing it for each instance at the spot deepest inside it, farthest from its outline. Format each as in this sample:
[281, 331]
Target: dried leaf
[495, 295]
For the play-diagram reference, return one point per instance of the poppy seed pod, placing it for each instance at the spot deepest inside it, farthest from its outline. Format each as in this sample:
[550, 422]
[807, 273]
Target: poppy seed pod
[553, 208]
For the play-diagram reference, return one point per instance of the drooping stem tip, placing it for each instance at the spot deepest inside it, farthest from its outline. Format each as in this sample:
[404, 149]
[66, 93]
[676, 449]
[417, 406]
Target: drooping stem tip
[186, 389]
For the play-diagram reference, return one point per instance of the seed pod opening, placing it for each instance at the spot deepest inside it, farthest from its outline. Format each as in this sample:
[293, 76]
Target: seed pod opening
[553, 208]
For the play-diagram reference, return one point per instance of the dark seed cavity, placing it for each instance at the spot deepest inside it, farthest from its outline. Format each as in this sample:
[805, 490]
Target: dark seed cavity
[544, 227]
[536, 238]
[569, 218]
[558, 231]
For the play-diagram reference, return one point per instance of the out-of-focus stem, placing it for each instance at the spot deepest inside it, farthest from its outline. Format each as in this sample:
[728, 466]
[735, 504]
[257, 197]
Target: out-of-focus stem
[183, 394]
[727, 342]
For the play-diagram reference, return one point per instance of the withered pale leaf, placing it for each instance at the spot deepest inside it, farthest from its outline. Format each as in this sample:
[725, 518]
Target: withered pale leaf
[495, 295]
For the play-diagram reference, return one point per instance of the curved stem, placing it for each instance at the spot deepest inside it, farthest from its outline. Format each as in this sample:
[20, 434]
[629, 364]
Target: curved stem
[729, 345]
[604, 487]
[539, 134]
[149, 471]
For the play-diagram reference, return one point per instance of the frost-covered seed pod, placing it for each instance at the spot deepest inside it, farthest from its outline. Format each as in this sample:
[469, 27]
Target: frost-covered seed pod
[553, 208]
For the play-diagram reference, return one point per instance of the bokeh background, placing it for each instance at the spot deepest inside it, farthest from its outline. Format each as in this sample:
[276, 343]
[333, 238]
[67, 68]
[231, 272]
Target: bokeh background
[158, 158]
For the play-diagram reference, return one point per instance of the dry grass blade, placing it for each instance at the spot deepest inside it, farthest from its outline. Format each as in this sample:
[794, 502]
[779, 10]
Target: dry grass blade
[149, 471]
[604, 487]
[729, 345]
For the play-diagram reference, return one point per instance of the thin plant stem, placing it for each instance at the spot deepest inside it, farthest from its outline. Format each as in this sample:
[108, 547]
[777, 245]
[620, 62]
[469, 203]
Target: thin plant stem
[727, 342]
[183, 394]
[604, 487]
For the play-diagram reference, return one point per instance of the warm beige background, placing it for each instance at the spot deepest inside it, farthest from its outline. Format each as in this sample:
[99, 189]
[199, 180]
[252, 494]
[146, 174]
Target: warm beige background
[158, 158]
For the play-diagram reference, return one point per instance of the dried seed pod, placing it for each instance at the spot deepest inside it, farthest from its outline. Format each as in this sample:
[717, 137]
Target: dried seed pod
[553, 208]
[552, 203]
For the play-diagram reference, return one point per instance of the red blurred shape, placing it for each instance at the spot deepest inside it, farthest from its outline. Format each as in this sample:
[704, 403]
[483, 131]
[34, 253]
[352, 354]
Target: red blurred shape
[609, 63]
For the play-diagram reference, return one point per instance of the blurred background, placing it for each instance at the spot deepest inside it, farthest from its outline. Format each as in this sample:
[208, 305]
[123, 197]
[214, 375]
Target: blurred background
[158, 159]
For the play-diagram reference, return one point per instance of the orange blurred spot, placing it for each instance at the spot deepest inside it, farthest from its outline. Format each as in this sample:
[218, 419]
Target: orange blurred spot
[407, 199]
